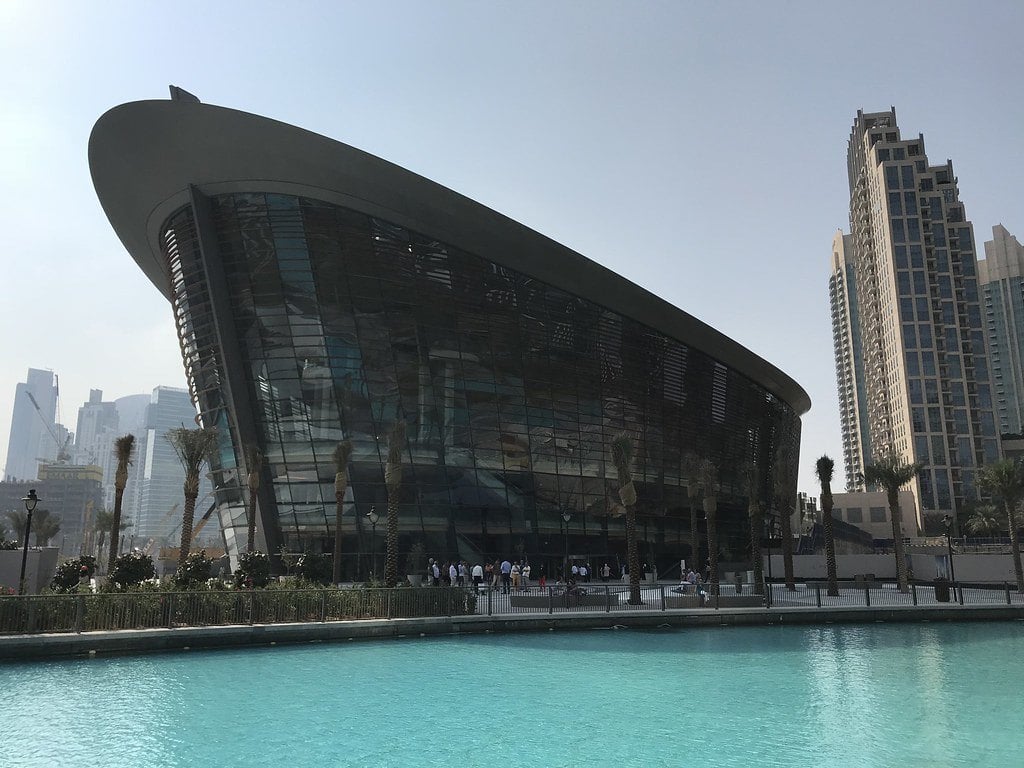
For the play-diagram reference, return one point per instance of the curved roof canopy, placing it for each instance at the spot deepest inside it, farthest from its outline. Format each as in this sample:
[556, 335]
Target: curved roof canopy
[144, 155]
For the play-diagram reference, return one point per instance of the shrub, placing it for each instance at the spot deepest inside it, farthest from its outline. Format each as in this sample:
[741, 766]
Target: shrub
[316, 569]
[8, 543]
[253, 570]
[129, 570]
[196, 570]
[70, 573]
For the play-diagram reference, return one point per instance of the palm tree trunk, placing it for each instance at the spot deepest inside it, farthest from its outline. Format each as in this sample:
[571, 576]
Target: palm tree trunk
[115, 528]
[250, 539]
[1015, 549]
[830, 543]
[632, 557]
[711, 513]
[187, 518]
[786, 529]
[897, 540]
[756, 531]
[339, 500]
[391, 557]
[694, 542]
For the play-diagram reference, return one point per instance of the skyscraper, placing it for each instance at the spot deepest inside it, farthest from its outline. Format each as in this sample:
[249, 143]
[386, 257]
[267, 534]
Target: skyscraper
[96, 421]
[926, 392]
[1001, 275]
[160, 476]
[34, 429]
[853, 414]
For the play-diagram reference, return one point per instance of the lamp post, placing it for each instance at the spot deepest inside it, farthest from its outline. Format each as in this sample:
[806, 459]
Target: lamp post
[30, 505]
[373, 517]
[948, 522]
[566, 516]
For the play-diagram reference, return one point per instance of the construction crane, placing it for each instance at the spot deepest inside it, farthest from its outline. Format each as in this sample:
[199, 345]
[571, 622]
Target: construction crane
[63, 456]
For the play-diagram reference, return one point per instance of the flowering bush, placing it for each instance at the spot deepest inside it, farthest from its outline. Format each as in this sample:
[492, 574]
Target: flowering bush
[253, 570]
[316, 569]
[70, 573]
[196, 570]
[129, 570]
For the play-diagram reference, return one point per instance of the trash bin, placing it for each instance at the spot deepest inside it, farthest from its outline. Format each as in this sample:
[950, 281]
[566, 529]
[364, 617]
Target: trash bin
[942, 590]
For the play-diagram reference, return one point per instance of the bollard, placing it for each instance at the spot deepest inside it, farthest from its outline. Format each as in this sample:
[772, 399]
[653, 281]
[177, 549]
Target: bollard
[551, 600]
[1006, 586]
[961, 592]
[323, 606]
[490, 598]
[817, 594]
[663, 597]
[913, 592]
[252, 605]
[867, 597]
[608, 599]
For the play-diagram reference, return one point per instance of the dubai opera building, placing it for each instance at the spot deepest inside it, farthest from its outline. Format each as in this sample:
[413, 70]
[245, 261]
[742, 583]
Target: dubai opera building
[321, 293]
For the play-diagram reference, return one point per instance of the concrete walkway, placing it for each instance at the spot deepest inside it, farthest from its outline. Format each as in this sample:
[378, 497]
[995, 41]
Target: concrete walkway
[93, 644]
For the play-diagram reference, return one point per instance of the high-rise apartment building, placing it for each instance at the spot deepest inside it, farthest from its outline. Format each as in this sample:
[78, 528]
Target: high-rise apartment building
[853, 414]
[34, 430]
[926, 392]
[1001, 276]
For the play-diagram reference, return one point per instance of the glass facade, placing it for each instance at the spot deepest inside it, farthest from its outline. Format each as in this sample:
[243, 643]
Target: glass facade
[339, 323]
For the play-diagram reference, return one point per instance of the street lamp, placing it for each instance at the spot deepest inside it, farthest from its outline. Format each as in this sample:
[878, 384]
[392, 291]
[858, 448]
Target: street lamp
[373, 517]
[948, 522]
[30, 505]
[567, 516]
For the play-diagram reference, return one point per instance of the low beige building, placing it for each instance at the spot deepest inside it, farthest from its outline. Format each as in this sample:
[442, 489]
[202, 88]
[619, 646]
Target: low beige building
[869, 511]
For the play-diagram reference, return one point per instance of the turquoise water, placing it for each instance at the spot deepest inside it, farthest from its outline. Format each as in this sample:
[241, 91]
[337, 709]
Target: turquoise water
[875, 695]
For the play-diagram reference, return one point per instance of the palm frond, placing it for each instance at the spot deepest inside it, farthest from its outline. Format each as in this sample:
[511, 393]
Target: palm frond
[123, 448]
[824, 468]
[193, 446]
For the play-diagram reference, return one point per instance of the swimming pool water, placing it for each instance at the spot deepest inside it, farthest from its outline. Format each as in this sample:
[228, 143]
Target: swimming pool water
[873, 695]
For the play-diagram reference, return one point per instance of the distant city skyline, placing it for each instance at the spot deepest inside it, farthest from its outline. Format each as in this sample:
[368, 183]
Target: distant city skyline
[711, 174]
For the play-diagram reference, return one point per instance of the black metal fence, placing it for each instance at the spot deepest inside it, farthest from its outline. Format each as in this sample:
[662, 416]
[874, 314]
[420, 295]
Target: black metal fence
[145, 610]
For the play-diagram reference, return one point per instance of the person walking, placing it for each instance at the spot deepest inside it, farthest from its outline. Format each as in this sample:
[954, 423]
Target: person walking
[606, 572]
[524, 577]
[515, 576]
[453, 575]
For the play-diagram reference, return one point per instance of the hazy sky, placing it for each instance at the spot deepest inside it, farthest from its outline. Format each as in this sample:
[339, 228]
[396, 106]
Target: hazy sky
[698, 149]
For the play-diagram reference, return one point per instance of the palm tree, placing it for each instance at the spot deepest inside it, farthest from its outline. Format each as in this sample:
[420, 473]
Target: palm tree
[342, 453]
[123, 451]
[783, 497]
[709, 481]
[101, 525]
[983, 521]
[755, 511]
[393, 482]
[1005, 481]
[45, 526]
[19, 520]
[691, 471]
[891, 472]
[252, 480]
[193, 446]
[622, 457]
[824, 468]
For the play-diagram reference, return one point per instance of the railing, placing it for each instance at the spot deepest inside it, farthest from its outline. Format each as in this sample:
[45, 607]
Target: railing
[147, 610]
